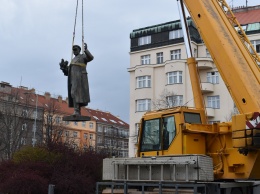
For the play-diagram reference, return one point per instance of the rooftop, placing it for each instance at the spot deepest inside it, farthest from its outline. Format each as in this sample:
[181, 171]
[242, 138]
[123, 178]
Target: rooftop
[247, 15]
[59, 105]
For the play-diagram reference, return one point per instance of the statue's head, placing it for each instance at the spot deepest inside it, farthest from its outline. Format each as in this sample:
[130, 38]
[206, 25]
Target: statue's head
[76, 49]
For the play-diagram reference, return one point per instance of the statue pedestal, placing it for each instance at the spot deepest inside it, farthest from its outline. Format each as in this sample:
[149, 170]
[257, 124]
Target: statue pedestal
[77, 118]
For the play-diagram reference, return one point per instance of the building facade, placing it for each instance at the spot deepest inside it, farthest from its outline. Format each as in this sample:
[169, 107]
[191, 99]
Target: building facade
[159, 76]
[112, 134]
[38, 119]
[19, 120]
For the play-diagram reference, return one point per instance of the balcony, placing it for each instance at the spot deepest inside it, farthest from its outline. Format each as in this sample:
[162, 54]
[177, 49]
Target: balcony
[205, 63]
[207, 87]
[210, 112]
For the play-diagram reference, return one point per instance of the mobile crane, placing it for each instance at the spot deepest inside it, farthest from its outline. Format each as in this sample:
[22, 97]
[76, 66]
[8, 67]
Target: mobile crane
[177, 149]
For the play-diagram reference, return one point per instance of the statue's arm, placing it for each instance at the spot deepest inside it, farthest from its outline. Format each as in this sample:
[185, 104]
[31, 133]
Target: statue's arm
[64, 67]
[90, 57]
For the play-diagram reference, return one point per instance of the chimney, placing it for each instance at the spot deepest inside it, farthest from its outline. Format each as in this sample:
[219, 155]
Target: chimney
[47, 95]
[32, 91]
[60, 99]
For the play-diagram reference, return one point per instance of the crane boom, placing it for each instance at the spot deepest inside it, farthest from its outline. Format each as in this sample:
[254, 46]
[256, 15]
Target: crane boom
[236, 65]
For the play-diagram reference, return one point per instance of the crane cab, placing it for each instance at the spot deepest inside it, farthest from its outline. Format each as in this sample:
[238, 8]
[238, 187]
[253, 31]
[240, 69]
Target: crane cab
[163, 132]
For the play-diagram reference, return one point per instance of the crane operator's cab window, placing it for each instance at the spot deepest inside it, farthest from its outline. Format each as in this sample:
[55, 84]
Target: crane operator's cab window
[157, 134]
[151, 135]
[192, 117]
[169, 131]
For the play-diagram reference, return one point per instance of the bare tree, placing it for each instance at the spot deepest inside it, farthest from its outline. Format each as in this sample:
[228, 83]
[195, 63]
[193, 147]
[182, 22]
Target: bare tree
[16, 118]
[167, 99]
[54, 128]
[232, 113]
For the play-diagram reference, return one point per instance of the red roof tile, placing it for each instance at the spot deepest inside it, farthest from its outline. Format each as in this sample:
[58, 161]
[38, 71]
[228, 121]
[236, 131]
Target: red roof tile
[248, 15]
[106, 117]
[62, 108]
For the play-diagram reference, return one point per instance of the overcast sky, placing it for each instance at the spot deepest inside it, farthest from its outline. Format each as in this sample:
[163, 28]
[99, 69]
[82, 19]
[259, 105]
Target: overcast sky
[36, 34]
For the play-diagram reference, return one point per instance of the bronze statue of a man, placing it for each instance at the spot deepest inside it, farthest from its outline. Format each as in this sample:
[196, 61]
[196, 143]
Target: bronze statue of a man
[78, 88]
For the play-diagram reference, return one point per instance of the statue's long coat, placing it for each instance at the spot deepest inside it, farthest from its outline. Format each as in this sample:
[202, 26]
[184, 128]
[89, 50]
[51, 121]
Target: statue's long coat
[78, 88]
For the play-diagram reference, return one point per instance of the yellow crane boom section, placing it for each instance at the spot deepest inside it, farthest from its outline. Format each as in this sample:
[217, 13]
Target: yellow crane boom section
[233, 59]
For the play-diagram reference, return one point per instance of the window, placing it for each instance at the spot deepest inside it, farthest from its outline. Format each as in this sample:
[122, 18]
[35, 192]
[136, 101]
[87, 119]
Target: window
[24, 113]
[176, 54]
[35, 115]
[24, 127]
[143, 105]
[195, 52]
[121, 154]
[151, 135]
[90, 136]
[169, 131]
[60, 133]
[207, 53]
[108, 142]
[174, 77]
[103, 119]
[23, 141]
[176, 100]
[145, 59]
[113, 121]
[192, 117]
[85, 136]
[125, 154]
[143, 81]
[75, 123]
[114, 142]
[144, 40]
[49, 118]
[57, 120]
[91, 125]
[96, 117]
[213, 77]
[213, 102]
[67, 122]
[175, 34]
[99, 140]
[75, 134]
[100, 129]
[67, 133]
[125, 144]
[256, 45]
[159, 57]
[83, 123]
[105, 129]
[120, 143]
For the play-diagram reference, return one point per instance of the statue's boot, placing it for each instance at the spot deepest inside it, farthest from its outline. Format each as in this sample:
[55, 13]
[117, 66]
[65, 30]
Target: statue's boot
[76, 110]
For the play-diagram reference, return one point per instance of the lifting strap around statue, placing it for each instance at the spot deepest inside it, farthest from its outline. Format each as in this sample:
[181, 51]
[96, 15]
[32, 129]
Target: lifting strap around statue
[75, 23]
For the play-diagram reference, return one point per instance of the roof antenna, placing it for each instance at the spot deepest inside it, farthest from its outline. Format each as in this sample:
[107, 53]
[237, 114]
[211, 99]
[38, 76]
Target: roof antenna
[21, 80]
[246, 2]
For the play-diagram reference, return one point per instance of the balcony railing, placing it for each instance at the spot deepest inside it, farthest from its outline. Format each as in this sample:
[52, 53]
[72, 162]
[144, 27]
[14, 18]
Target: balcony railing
[210, 112]
[205, 63]
[207, 87]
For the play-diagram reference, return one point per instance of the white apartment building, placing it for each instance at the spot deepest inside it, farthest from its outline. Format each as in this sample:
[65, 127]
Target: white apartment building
[158, 71]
